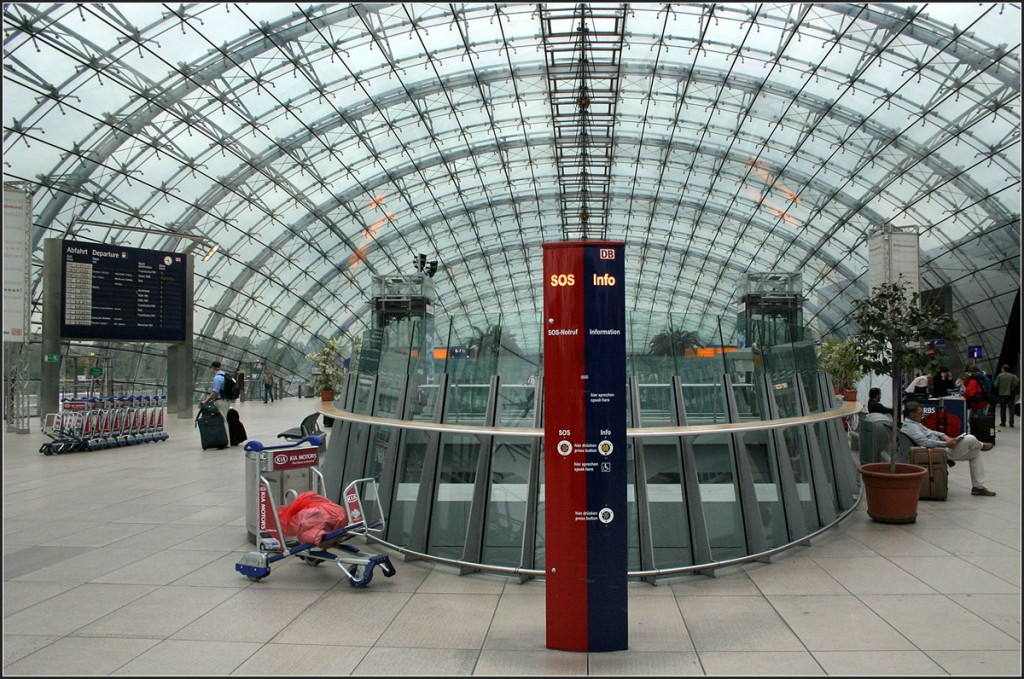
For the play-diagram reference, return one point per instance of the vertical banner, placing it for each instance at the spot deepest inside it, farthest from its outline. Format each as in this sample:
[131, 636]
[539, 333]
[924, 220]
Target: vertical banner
[585, 446]
[17, 261]
[892, 253]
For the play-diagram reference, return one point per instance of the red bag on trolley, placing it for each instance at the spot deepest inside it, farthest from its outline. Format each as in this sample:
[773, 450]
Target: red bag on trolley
[311, 516]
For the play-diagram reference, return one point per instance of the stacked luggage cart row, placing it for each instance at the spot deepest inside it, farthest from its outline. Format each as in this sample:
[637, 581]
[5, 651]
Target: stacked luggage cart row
[111, 422]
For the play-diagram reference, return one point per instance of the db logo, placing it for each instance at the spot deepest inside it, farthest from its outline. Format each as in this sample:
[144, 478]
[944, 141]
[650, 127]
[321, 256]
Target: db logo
[280, 459]
[606, 253]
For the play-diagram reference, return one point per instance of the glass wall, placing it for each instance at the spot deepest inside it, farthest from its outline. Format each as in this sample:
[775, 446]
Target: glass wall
[706, 491]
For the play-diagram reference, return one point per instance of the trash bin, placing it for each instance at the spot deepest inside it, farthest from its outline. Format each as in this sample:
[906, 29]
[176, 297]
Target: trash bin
[875, 437]
[285, 486]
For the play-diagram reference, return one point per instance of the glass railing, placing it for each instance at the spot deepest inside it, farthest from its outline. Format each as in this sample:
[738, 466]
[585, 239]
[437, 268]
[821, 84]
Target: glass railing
[733, 452]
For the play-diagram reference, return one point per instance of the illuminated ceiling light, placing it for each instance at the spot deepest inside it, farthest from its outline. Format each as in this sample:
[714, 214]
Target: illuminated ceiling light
[216, 246]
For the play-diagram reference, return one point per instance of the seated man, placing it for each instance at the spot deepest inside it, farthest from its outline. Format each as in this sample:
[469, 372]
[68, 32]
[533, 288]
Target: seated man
[875, 402]
[966, 448]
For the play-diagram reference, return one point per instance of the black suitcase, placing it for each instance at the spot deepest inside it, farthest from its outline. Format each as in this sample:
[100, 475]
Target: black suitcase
[236, 430]
[984, 428]
[212, 432]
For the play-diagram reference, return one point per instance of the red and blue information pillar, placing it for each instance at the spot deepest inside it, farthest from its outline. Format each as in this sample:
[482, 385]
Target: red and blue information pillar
[585, 446]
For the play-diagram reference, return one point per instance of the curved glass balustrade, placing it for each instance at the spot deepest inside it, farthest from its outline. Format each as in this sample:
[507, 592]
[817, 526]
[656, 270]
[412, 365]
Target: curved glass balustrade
[733, 453]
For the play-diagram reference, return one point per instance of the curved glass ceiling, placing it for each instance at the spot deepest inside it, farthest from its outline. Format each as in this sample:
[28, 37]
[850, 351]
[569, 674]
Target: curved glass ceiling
[320, 145]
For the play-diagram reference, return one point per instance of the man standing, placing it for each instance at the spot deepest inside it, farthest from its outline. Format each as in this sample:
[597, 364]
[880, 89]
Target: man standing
[1006, 385]
[268, 385]
[966, 448]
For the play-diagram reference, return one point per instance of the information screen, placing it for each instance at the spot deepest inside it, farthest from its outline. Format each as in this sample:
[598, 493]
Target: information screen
[110, 292]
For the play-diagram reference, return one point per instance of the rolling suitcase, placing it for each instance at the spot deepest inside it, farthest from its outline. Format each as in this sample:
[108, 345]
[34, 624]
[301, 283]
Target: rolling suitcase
[984, 428]
[212, 432]
[236, 430]
[935, 484]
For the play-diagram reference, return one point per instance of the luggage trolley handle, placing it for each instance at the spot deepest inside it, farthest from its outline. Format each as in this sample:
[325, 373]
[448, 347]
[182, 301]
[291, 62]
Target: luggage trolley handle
[354, 506]
[267, 464]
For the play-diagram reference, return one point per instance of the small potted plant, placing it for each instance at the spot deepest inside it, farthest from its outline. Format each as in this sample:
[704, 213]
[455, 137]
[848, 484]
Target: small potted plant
[328, 374]
[894, 330]
[838, 357]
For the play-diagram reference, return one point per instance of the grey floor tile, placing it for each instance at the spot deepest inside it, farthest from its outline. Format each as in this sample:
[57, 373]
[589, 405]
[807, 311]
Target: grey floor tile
[999, 610]
[879, 663]
[86, 565]
[950, 626]
[519, 624]
[735, 623]
[249, 615]
[656, 625]
[988, 664]
[796, 574]
[73, 656]
[175, 657]
[21, 595]
[303, 660]
[526, 663]
[638, 663]
[448, 662]
[363, 616]
[158, 614]
[953, 575]
[837, 623]
[66, 612]
[17, 646]
[442, 621]
[760, 663]
[161, 568]
[873, 575]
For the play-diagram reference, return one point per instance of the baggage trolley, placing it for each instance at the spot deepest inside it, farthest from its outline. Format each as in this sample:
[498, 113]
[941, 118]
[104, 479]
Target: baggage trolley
[274, 545]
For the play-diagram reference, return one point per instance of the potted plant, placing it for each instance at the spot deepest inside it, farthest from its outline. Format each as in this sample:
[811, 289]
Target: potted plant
[894, 329]
[328, 374]
[838, 357]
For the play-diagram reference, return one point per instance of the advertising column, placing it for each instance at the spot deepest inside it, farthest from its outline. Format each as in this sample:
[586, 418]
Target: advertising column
[585, 446]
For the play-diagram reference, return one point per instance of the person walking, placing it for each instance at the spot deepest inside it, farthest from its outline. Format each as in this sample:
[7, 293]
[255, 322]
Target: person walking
[216, 386]
[1007, 385]
[268, 385]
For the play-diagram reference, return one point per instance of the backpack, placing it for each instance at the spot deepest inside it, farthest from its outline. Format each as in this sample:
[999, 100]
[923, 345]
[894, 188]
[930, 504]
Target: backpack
[987, 389]
[230, 389]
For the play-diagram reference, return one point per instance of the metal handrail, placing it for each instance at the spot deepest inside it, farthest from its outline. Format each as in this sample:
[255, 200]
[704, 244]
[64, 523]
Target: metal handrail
[848, 408]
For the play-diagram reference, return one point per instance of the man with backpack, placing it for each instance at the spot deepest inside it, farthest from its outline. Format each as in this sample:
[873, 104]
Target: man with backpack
[217, 395]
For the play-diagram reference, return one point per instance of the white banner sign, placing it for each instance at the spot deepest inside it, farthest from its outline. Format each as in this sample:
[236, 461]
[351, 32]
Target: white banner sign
[892, 254]
[17, 263]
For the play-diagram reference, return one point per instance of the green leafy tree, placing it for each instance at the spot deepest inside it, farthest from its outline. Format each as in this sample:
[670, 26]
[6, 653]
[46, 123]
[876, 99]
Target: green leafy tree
[839, 358]
[328, 373]
[894, 329]
[673, 342]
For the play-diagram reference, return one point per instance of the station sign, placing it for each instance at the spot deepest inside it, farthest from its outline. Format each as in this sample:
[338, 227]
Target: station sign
[585, 446]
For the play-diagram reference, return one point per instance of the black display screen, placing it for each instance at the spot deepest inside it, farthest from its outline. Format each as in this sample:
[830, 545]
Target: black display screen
[110, 292]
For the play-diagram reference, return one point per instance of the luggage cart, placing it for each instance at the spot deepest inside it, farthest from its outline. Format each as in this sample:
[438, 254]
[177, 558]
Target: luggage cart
[274, 545]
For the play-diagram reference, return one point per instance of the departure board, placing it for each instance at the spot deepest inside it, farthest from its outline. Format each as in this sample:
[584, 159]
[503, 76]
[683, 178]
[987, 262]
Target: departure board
[117, 293]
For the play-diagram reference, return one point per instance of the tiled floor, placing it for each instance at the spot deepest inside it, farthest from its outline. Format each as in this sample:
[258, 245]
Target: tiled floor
[122, 562]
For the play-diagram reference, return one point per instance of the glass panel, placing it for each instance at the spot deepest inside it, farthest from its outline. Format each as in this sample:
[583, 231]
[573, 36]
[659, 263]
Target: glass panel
[719, 496]
[407, 485]
[670, 528]
[506, 506]
[453, 495]
[760, 453]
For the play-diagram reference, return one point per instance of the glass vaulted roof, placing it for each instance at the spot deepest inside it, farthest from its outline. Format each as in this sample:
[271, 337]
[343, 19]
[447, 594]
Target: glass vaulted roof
[322, 144]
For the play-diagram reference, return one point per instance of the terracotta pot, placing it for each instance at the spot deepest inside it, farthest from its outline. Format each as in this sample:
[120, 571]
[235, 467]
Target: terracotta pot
[326, 395]
[850, 395]
[892, 498]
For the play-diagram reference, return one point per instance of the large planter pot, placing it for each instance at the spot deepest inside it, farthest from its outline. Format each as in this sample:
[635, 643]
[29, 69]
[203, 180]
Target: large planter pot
[327, 395]
[892, 498]
[849, 394]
